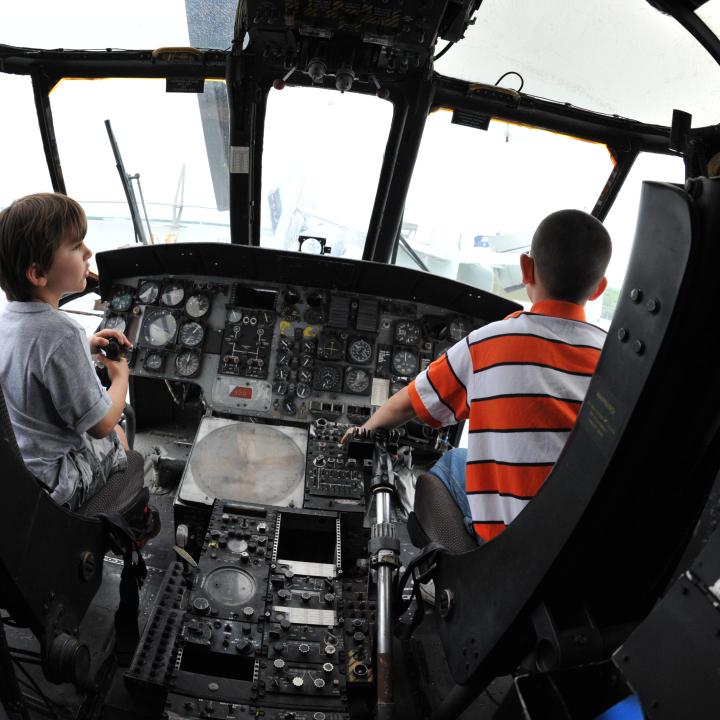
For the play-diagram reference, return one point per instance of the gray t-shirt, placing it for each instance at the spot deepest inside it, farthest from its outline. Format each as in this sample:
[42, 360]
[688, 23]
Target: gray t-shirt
[51, 389]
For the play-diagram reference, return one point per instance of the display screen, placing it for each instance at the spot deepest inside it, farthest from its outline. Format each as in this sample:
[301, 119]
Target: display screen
[250, 297]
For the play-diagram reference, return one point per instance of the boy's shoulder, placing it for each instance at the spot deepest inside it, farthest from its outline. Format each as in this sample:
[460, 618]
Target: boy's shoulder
[31, 319]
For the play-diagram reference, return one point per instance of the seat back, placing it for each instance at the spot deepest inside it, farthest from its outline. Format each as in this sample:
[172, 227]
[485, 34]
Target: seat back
[51, 559]
[613, 517]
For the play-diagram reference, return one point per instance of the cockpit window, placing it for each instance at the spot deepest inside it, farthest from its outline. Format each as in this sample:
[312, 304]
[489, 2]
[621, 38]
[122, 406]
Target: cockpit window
[321, 163]
[131, 24]
[173, 141]
[24, 169]
[622, 218]
[615, 57]
[477, 196]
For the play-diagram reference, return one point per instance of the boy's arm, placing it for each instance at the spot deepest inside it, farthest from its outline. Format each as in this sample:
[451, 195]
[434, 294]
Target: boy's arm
[119, 373]
[395, 411]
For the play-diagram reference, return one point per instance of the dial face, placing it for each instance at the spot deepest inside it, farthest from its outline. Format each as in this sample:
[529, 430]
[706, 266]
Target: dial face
[360, 351]
[159, 328]
[191, 334]
[405, 363]
[172, 294]
[407, 332]
[187, 363]
[148, 292]
[328, 378]
[302, 390]
[311, 245]
[153, 361]
[234, 315]
[458, 328]
[115, 322]
[122, 300]
[357, 380]
[197, 305]
[330, 347]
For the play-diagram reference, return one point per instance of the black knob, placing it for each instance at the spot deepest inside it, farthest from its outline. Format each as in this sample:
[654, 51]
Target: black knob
[291, 297]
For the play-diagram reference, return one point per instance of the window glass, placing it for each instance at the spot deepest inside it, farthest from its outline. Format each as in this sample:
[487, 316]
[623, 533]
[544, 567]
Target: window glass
[321, 163]
[477, 196]
[131, 24]
[24, 169]
[622, 219]
[175, 142]
[616, 57]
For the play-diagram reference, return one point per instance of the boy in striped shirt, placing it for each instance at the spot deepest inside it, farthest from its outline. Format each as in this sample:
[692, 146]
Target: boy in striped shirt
[519, 381]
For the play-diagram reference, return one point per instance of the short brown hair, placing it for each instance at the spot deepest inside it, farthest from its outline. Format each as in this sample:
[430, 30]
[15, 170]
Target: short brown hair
[31, 229]
[571, 251]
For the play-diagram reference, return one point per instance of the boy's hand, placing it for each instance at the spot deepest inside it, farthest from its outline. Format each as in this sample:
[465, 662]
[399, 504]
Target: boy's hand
[116, 369]
[101, 338]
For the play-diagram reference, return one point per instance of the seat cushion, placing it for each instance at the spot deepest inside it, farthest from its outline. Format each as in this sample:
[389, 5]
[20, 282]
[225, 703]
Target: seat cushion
[121, 490]
[438, 517]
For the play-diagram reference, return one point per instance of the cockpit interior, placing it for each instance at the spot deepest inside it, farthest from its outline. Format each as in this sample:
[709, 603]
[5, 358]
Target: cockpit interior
[295, 208]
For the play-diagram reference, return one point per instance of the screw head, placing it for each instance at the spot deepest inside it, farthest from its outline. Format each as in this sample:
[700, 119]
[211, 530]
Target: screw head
[623, 334]
[636, 295]
[639, 347]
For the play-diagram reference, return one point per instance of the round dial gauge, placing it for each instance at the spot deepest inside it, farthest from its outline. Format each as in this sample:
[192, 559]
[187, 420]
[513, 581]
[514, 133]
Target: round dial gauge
[360, 351]
[407, 332]
[148, 292]
[197, 305]
[153, 361]
[234, 315]
[191, 334]
[311, 245]
[187, 363]
[172, 294]
[122, 300]
[328, 377]
[357, 380]
[405, 363]
[160, 329]
[302, 390]
[458, 328]
[115, 322]
[330, 347]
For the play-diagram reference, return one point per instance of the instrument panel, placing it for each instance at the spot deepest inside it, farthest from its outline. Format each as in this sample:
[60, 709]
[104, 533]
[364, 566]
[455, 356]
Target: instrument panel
[277, 350]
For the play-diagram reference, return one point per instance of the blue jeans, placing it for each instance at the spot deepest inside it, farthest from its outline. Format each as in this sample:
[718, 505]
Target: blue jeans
[450, 469]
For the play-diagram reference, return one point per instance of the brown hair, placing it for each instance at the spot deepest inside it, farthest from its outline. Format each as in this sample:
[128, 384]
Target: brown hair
[31, 229]
[571, 251]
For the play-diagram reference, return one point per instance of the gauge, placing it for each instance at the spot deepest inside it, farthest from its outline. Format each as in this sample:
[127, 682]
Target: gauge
[115, 322]
[159, 328]
[330, 347]
[328, 378]
[154, 361]
[314, 316]
[405, 363]
[304, 375]
[234, 315]
[191, 334]
[360, 351]
[357, 380]
[197, 305]
[122, 299]
[302, 390]
[187, 363]
[311, 245]
[407, 332]
[173, 294]
[148, 292]
[458, 328]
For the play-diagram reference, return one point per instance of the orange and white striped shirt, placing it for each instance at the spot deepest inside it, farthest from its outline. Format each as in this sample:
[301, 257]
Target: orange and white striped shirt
[520, 382]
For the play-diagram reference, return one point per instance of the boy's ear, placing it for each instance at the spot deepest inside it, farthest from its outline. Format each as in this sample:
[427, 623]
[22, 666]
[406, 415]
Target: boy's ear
[600, 289]
[35, 276]
[527, 266]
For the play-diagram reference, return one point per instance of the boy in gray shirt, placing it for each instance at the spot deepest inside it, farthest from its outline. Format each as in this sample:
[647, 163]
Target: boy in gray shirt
[65, 422]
